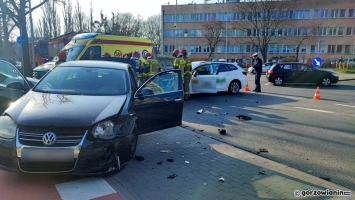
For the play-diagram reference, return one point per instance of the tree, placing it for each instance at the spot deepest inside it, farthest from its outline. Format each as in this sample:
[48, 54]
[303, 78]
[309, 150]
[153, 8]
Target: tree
[127, 25]
[68, 16]
[49, 24]
[79, 24]
[212, 32]
[17, 11]
[261, 20]
[152, 30]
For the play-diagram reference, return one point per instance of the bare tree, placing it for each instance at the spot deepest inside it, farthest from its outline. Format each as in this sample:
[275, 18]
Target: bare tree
[127, 25]
[68, 15]
[212, 33]
[17, 11]
[103, 24]
[50, 21]
[261, 19]
[306, 33]
[152, 30]
[79, 24]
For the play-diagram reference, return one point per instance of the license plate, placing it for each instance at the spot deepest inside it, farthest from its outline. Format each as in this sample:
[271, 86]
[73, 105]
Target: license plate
[47, 155]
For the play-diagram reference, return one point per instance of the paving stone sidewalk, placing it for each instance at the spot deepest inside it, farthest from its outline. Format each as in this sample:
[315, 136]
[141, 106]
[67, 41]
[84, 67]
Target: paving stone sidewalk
[198, 164]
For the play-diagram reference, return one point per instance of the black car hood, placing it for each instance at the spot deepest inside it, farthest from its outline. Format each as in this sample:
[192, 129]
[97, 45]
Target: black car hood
[44, 109]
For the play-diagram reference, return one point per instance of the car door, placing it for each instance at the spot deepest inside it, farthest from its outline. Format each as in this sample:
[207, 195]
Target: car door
[203, 79]
[223, 77]
[159, 102]
[307, 74]
[12, 84]
[289, 72]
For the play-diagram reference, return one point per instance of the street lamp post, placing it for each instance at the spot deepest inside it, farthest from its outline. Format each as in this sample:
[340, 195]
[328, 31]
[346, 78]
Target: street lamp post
[175, 26]
[226, 16]
[32, 36]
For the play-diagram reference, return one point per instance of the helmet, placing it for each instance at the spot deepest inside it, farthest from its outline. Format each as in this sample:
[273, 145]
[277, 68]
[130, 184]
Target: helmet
[179, 55]
[147, 55]
[184, 52]
[62, 55]
[106, 54]
[136, 54]
[176, 52]
[255, 54]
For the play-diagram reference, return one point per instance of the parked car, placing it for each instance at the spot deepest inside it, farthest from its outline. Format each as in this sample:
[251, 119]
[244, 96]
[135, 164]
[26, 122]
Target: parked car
[265, 67]
[213, 77]
[293, 72]
[351, 61]
[84, 117]
[12, 84]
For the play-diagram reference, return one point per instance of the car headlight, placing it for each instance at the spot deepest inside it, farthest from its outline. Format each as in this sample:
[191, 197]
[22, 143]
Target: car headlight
[104, 130]
[335, 74]
[7, 127]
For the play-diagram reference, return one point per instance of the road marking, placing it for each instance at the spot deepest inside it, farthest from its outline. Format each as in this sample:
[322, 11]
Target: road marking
[316, 110]
[338, 104]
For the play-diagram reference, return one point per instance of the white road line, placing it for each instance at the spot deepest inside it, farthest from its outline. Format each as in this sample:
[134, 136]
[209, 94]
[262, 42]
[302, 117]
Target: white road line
[310, 109]
[338, 104]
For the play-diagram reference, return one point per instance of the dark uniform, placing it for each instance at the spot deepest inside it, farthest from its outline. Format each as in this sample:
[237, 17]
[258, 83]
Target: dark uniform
[258, 70]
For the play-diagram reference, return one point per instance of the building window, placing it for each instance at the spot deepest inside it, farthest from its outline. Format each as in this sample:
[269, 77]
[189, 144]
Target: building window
[198, 33]
[347, 49]
[313, 48]
[299, 14]
[324, 13]
[340, 31]
[351, 13]
[339, 48]
[332, 31]
[348, 30]
[324, 31]
[306, 14]
[334, 13]
[331, 48]
[342, 13]
[316, 14]
[169, 18]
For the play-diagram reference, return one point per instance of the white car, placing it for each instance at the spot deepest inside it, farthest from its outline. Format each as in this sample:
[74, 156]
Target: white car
[266, 66]
[213, 77]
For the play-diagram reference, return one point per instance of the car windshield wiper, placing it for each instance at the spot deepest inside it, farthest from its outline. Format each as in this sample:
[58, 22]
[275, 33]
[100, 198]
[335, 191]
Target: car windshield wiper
[43, 90]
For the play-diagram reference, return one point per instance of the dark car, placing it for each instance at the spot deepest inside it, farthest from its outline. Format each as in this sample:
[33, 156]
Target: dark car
[283, 73]
[12, 84]
[84, 117]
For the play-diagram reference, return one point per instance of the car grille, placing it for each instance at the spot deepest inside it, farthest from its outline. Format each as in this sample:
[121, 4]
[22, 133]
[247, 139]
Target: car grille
[47, 166]
[66, 137]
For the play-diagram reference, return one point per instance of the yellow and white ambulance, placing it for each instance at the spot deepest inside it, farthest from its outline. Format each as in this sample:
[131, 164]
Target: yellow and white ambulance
[89, 46]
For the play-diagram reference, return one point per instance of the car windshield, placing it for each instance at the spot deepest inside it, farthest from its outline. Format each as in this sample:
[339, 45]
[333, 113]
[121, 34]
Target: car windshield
[84, 81]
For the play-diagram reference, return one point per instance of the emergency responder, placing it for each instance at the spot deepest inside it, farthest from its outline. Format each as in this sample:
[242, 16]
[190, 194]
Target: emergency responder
[175, 55]
[151, 66]
[187, 74]
[180, 63]
[62, 57]
[139, 66]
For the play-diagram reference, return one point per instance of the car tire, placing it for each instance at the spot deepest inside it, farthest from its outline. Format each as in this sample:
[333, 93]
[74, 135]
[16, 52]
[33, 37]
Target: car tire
[278, 81]
[132, 148]
[326, 81]
[234, 87]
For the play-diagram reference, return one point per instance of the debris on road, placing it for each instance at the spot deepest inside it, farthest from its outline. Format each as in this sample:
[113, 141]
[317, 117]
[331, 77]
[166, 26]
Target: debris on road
[262, 151]
[257, 102]
[187, 162]
[170, 160]
[159, 163]
[261, 172]
[222, 131]
[165, 151]
[243, 117]
[172, 176]
[226, 113]
[200, 111]
[325, 178]
[205, 184]
[139, 158]
[221, 179]
[201, 130]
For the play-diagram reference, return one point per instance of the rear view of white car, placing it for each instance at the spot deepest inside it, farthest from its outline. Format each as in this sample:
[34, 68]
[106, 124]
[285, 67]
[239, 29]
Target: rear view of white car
[266, 66]
[213, 77]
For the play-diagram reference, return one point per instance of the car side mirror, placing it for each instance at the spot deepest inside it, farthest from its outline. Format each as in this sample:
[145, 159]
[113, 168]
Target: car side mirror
[16, 86]
[147, 92]
[195, 73]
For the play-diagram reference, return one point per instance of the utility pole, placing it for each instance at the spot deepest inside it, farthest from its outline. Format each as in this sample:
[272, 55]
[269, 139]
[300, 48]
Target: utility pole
[226, 15]
[32, 37]
[175, 26]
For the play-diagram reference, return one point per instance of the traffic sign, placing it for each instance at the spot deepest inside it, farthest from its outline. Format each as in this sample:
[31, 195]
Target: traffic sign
[20, 39]
[317, 62]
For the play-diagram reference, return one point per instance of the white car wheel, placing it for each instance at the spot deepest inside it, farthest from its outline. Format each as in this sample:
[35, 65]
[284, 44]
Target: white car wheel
[234, 87]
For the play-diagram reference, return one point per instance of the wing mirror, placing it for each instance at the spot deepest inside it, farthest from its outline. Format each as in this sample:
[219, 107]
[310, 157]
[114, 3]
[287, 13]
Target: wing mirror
[194, 73]
[16, 86]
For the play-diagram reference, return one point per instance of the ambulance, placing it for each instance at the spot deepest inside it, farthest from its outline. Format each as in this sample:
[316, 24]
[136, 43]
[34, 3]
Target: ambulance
[90, 46]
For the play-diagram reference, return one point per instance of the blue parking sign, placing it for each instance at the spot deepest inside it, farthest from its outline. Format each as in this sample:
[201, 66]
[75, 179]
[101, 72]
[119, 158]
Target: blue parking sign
[317, 62]
[20, 39]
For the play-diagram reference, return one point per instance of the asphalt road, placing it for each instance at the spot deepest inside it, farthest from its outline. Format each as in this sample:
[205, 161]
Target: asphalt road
[317, 137]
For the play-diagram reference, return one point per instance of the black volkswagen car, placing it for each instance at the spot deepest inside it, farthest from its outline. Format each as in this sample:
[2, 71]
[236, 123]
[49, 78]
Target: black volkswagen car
[84, 117]
[283, 73]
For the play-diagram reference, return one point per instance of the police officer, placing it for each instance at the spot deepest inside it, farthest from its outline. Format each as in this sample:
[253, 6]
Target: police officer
[258, 69]
[187, 74]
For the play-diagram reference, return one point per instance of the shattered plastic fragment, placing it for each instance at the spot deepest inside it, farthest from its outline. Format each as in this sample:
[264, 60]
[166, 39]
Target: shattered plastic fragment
[139, 158]
[159, 163]
[165, 151]
[200, 111]
[172, 176]
[205, 183]
[243, 117]
[261, 172]
[187, 162]
[222, 131]
[170, 160]
[221, 179]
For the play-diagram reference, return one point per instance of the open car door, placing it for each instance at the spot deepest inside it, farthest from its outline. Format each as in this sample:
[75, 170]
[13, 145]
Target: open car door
[203, 79]
[159, 102]
[12, 84]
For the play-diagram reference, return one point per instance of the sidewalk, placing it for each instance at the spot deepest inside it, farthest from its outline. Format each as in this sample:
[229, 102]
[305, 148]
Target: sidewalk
[198, 165]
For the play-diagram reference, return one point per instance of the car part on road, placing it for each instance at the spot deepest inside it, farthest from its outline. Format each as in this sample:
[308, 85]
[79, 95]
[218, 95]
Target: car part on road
[139, 158]
[243, 117]
[222, 131]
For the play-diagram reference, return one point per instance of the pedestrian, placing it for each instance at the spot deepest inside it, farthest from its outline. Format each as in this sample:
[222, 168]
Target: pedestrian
[257, 64]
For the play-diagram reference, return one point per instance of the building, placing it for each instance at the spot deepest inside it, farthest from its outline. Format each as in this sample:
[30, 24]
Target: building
[328, 24]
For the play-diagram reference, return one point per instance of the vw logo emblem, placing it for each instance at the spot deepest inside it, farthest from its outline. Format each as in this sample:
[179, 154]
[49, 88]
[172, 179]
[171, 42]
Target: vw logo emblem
[49, 138]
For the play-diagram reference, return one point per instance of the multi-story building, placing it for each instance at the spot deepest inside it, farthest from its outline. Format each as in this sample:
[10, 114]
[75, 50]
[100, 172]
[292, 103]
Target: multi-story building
[333, 21]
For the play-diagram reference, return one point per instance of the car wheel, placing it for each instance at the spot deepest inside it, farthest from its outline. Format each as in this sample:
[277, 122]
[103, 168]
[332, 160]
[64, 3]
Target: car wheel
[278, 81]
[325, 81]
[234, 87]
[133, 145]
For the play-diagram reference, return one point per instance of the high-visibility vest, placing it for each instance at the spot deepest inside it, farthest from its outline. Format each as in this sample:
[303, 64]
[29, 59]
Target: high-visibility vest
[151, 67]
